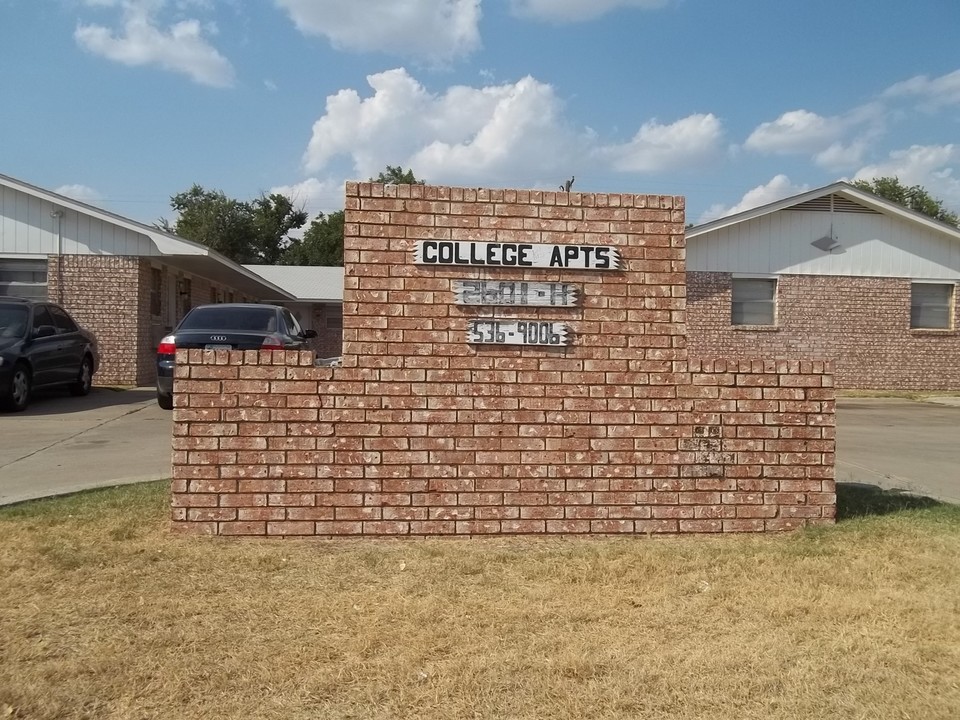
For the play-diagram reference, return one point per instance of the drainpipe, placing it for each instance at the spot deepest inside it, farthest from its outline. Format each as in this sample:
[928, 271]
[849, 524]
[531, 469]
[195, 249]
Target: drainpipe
[58, 214]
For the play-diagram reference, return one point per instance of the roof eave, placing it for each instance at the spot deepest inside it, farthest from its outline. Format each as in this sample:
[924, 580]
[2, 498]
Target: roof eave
[845, 189]
[166, 243]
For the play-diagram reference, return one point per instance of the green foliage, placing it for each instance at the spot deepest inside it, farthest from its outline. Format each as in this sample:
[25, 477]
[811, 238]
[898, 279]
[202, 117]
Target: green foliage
[397, 176]
[259, 231]
[321, 244]
[274, 217]
[245, 232]
[914, 198]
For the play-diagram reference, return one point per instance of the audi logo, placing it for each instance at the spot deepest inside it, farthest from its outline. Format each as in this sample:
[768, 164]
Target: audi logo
[218, 338]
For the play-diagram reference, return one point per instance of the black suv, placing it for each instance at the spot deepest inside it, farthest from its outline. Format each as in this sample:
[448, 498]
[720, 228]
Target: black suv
[228, 326]
[41, 347]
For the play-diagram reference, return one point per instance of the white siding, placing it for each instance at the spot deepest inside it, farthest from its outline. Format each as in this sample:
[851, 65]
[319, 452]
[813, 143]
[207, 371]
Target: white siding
[27, 228]
[872, 245]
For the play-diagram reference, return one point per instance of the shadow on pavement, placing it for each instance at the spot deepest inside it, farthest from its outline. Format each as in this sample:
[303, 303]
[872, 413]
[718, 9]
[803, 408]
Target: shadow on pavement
[60, 402]
[860, 500]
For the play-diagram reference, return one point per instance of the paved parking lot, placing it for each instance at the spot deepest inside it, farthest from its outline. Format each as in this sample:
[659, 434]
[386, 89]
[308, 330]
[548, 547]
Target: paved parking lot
[900, 445]
[62, 444]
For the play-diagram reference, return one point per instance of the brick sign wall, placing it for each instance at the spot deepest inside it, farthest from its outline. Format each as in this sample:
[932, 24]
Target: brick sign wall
[445, 419]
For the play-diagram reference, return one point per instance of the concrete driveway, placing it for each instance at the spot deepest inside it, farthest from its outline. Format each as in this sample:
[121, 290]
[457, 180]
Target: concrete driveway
[61, 444]
[900, 445]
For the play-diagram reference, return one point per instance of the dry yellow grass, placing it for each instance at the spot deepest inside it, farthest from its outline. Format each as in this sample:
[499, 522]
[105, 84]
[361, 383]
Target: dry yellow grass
[104, 614]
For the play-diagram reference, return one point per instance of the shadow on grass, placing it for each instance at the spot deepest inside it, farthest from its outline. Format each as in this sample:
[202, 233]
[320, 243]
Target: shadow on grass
[855, 500]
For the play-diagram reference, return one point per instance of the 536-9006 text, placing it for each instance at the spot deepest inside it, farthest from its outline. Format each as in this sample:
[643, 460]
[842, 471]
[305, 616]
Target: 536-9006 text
[517, 332]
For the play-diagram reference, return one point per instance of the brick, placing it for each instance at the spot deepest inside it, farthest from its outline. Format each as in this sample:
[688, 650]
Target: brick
[242, 528]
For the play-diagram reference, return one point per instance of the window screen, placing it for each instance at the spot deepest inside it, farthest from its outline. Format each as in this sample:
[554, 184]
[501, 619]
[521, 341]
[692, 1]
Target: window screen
[754, 301]
[931, 306]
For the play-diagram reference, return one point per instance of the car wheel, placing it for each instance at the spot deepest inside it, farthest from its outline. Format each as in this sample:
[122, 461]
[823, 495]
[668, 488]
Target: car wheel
[84, 378]
[165, 401]
[19, 391]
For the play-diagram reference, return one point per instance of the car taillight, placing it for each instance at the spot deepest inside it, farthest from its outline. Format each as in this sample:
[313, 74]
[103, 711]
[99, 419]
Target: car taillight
[272, 342]
[167, 346]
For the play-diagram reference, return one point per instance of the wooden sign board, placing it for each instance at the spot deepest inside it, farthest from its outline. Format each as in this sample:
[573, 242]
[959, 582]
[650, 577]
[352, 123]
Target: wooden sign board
[516, 255]
[514, 292]
[490, 331]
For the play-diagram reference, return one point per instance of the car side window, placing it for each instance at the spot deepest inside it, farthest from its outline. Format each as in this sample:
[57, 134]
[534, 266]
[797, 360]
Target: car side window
[62, 320]
[293, 327]
[41, 317]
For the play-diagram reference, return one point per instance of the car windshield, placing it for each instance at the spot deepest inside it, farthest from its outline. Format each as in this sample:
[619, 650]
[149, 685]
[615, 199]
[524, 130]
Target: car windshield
[251, 319]
[13, 321]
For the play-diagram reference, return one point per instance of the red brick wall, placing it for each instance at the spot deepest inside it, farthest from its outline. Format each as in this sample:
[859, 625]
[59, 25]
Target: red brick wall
[862, 323]
[421, 433]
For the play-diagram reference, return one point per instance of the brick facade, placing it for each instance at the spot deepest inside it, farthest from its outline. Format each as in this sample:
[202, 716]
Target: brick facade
[421, 433]
[863, 323]
[329, 340]
[103, 294]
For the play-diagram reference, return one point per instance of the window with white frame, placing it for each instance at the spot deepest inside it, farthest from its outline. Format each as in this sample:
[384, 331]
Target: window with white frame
[24, 278]
[754, 301]
[931, 305]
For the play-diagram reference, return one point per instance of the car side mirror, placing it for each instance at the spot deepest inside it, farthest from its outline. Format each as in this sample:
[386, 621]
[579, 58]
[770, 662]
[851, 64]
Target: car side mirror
[45, 331]
[309, 334]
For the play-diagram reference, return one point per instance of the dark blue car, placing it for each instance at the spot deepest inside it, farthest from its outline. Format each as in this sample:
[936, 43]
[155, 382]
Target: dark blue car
[228, 326]
[42, 347]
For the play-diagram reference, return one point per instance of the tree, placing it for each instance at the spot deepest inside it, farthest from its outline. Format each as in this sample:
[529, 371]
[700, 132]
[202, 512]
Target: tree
[397, 176]
[321, 244]
[274, 216]
[245, 232]
[914, 198]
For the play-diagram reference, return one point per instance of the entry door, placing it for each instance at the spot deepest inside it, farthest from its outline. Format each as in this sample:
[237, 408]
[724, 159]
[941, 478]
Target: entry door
[170, 320]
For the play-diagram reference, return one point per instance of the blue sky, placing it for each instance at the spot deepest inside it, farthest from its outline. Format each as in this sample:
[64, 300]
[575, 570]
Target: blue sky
[733, 103]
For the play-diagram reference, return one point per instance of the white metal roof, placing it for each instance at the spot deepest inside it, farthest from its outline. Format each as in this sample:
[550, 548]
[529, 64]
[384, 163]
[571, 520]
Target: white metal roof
[188, 255]
[305, 282]
[843, 189]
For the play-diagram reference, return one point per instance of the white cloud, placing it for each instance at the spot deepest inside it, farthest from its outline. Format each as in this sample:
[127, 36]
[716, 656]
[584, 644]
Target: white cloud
[778, 188]
[511, 134]
[313, 195]
[563, 11]
[181, 48]
[658, 147]
[933, 93]
[839, 156]
[83, 193]
[797, 131]
[430, 30]
[495, 134]
[932, 166]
